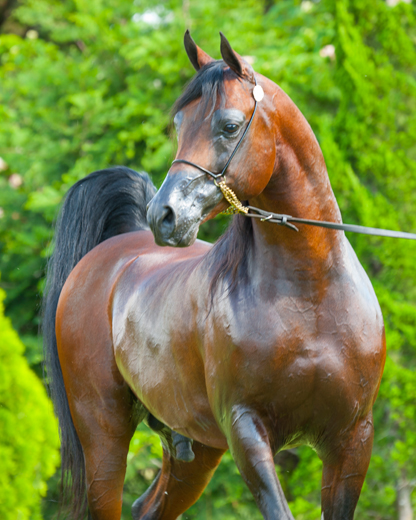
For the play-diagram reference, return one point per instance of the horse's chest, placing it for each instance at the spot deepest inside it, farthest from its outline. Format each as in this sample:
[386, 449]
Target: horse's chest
[299, 354]
[290, 323]
[286, 318]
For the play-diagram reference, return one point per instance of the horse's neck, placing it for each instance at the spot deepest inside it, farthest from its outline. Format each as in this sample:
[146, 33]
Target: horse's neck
[299, 187]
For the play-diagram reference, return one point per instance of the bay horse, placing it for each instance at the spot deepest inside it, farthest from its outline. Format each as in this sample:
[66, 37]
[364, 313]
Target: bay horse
[265, 341]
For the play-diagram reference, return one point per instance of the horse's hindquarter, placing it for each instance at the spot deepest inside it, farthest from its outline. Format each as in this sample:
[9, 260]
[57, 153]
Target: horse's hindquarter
[83, 327]
[156, 340]
[303, 354]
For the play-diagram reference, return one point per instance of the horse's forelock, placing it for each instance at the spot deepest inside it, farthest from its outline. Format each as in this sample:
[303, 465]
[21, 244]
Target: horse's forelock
[207, 84]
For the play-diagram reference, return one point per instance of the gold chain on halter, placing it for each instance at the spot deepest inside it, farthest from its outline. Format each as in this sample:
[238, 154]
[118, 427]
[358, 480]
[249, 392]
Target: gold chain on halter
[231, 198]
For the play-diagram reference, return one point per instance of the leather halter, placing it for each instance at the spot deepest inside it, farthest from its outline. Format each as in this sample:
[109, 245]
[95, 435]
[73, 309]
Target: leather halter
[216, 176]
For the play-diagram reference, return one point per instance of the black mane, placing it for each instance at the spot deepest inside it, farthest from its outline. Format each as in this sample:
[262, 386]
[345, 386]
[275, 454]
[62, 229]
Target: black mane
[229, 257]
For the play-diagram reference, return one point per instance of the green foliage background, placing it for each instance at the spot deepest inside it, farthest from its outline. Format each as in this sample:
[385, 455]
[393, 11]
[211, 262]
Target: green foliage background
[28, 431]
[85, 85]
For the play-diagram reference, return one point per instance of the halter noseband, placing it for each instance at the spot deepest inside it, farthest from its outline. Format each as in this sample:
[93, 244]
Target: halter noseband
[258, 94]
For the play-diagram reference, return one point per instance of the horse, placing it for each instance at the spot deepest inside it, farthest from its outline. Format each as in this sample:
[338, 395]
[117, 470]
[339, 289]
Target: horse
[267, 340]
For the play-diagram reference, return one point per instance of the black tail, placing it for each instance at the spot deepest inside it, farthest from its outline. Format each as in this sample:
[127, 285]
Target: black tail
[104, 204]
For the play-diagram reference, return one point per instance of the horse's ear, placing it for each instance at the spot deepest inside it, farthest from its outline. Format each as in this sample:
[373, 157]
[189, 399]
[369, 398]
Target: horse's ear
[197, 56]
[235, 61]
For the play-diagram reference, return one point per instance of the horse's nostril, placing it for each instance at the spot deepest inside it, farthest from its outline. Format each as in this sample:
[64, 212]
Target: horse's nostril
[168, 217]
[166, 222]
[162, 221]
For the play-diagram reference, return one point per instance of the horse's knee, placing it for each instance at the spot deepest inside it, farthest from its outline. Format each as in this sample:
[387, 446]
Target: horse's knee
[248, 435]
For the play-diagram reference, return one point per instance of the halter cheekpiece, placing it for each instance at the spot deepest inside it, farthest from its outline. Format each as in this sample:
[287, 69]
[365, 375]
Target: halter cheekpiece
[229, 195]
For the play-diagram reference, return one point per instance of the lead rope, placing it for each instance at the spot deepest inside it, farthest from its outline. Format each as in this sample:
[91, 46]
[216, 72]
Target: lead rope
[286, 220]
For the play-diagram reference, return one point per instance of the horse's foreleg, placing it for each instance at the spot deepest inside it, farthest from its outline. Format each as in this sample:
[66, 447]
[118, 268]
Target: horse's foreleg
[178, 485]
[345, 467]
[249, 443]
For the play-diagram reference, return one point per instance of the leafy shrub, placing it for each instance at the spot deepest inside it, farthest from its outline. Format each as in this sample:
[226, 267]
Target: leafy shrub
[28, 430]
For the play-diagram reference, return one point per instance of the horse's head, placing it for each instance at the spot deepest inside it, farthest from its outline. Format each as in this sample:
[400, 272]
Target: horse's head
[212, 118]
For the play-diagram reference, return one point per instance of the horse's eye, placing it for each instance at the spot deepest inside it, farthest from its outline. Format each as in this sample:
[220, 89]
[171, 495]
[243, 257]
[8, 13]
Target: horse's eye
[230, 128]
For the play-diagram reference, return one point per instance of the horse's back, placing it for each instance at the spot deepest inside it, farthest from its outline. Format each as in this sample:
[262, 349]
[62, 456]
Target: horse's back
[85, 303]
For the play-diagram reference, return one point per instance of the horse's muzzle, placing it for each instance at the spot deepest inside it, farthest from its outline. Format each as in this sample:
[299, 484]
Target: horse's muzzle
[176, 211]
